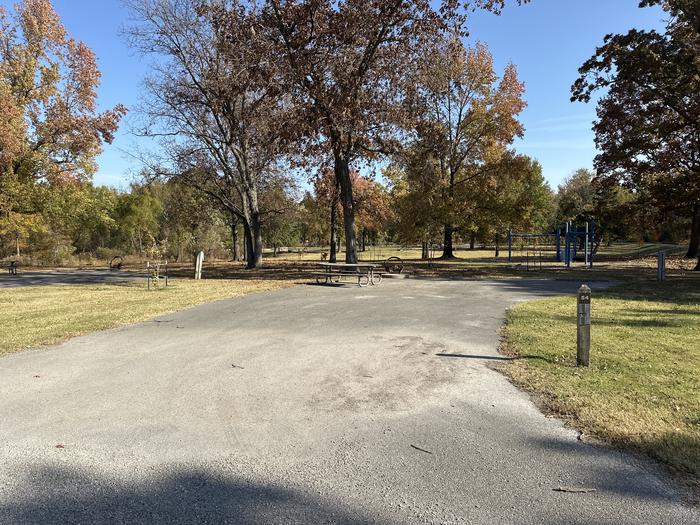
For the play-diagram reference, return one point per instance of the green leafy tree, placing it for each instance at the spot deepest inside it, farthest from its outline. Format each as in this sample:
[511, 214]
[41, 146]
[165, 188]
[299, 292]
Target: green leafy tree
[138, 216]
[576, 197]
[514, 194]
[417, 202]
[648, 128]
[466, 116]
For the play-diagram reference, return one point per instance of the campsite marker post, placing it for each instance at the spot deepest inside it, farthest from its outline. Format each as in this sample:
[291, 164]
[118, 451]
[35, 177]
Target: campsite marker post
[583, 333]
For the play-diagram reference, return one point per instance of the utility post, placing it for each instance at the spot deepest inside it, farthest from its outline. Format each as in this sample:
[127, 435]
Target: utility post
[583, 332]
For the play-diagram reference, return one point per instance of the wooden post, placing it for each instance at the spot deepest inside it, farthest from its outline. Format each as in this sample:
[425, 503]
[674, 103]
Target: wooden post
[583, 332]
[661, 266]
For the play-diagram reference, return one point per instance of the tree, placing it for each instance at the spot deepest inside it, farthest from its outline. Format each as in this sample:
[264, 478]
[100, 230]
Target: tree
[50, 131]
[281, 221]
[514, 194]
[327, 194]
[189, 221]
[78, 217]
[648, 127]
[416, 202]
[618, 212]
[347, 64]
[373, 206]
[371, 202]
[465, 118]
[576, 197]
[510, 192]
[48, 86]
[313, 219]
[215, 101]
[614, 208]
[20, 217]
[138, 215]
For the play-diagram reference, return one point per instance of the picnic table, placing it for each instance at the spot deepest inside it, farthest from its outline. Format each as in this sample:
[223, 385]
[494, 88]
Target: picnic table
[12, 267]
[365, 273]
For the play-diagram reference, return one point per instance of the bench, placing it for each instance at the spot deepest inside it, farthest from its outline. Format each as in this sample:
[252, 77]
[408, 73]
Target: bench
[335, 272]
[335, 277]
[12, 267]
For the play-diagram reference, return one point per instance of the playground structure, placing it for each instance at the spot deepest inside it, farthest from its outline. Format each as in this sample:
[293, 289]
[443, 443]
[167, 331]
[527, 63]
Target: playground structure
[569, 243]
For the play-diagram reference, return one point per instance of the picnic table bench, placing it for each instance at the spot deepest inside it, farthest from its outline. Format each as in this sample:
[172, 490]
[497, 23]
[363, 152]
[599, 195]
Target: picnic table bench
[12, 267]
[365, 273]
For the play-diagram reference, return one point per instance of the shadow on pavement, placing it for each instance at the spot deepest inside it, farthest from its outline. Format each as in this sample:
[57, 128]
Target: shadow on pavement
[487, 357]
[70, 496]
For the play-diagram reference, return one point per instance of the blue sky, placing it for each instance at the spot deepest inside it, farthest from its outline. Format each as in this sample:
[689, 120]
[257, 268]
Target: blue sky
[547, 40]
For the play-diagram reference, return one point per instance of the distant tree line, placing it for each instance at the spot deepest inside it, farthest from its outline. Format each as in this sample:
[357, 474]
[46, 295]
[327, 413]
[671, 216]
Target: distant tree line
[339, 124]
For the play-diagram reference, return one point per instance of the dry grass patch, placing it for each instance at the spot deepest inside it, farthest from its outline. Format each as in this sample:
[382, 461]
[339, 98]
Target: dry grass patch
[642, 389]
[42, 315]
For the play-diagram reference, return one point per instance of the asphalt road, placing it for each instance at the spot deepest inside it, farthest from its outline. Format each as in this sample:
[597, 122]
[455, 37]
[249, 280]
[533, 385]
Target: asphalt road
[65, 278]
[306, 405]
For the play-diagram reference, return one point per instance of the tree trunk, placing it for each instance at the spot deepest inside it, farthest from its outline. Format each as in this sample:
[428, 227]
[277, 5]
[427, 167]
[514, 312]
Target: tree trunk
[235, 245]
[256, 248]
[447, 249]
[364, 240]
[342, 175]
[498, 245]
[694, 245]
[17, 246]
[424, 251]
[472, 240]
[247, 244]
[252, 225]
[334, 234]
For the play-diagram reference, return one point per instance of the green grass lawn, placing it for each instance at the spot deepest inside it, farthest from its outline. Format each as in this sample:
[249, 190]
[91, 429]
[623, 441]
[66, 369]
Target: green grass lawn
[40, 315]
[643, 387]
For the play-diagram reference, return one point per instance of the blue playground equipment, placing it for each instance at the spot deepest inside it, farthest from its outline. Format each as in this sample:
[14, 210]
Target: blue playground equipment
[570, 239]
